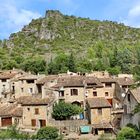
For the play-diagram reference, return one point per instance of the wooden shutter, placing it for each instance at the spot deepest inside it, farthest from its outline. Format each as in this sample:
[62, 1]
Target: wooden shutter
[33, 121]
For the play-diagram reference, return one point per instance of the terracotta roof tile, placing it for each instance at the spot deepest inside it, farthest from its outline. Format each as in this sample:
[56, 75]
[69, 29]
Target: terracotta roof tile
[125, 81]
[102, 125]
[70, 81]
[29, 100]
[28, 77]
[106, 80]
[99, 102]
[7, 75]
[93, 81]
[48, 78]
[11, 110]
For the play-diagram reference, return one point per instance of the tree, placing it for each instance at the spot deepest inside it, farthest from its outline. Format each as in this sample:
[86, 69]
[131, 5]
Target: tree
[48, 133]
[71, 63]
[137, 108]
[63, 111]
[126, 133]
[34, 65]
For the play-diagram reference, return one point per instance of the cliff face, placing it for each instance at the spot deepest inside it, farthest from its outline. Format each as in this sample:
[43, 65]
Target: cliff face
[68, 32]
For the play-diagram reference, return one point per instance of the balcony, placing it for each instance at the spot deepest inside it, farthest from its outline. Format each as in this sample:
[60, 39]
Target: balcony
[117, 111]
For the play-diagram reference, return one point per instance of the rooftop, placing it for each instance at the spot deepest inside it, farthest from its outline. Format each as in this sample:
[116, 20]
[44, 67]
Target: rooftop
[29, 100]
[99, 102]
[11, 110]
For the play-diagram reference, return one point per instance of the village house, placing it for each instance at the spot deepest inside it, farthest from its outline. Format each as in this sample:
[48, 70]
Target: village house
[27, 112]
[11, 114]
[70, 89]
[99, 114]
[25, 85]
[35, 111]
[131, 99]
[7, 89]
[44, 84]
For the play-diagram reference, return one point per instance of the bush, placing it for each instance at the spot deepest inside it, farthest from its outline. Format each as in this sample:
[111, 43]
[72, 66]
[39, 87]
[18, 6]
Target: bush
[13, 132]
[126, 133]
[48, 133]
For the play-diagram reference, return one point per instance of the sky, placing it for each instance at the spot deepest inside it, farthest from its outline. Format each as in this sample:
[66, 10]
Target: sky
[15, 14]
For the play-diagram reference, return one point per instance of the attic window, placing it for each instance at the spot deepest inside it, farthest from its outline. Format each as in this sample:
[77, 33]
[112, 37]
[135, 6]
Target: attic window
[30, 81]
[3, 80]
[108, 84]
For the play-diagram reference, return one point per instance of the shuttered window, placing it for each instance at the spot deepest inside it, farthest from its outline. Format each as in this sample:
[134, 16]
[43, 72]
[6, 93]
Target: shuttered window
[33, 121]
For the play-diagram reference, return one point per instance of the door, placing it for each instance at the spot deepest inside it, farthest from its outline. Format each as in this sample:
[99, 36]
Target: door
[6, 121]
[42, 123]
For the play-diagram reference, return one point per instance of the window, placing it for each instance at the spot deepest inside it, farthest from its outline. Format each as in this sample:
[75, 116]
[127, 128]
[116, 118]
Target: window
[30, 90]
[106, 94]
[128, 97]
[30, 81]
[108, 84]
[36, 111]
[33, 122]
[99, 111]
[22, 90]
[74, 92]
[3, 80]
[28, 109]
[3, 89]
[61, 93]
[94, 93]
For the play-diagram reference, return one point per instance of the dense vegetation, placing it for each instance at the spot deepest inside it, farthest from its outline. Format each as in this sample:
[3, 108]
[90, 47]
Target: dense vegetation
[129, 132]
[63, 111]
[48, 133]
[57, 42]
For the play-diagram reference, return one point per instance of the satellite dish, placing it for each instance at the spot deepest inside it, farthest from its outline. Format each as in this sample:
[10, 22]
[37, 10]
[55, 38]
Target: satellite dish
[123, 95]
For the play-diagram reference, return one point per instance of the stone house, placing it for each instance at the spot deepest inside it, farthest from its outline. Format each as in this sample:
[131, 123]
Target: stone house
[100, 87]
[25, 85]
[44, 84]
[7, 88]
[131, 99]
[11, 114]
[99, 114]
[70, 89]
[26, 112]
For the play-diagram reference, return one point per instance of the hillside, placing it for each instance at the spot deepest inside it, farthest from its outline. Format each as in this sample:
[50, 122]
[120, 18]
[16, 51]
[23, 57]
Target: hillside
[96, 45]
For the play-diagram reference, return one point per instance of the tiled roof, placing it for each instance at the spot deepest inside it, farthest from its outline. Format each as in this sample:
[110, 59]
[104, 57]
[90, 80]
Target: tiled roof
[99, 102]
[7, 75]
[102, 125]
[125, 81]
[136, 94]
[28, 77]
[29, 100]
[93, 81]
[106, 80]
[11, 110]
[48, 78]
[70, 81]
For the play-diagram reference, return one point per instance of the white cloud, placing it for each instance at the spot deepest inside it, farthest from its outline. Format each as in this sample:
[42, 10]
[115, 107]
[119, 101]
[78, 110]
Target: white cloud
[12, 18]
[133, 16]
[134, 11]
